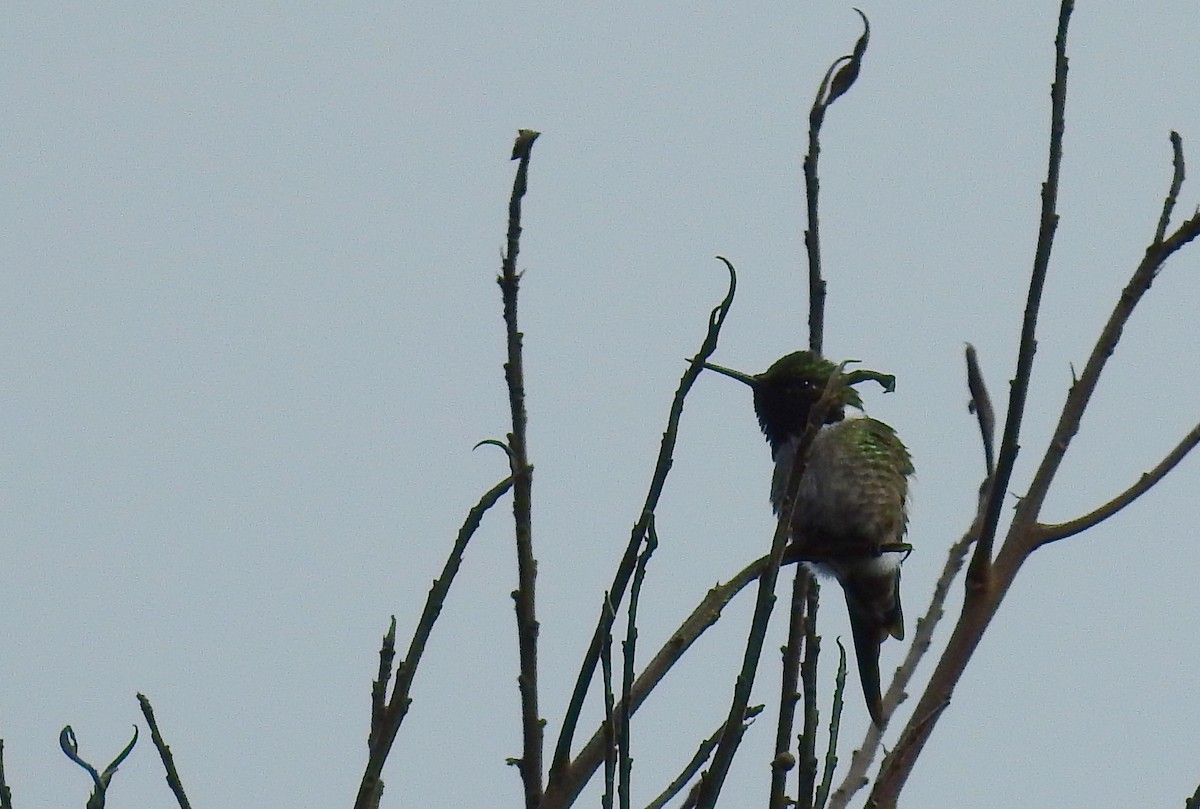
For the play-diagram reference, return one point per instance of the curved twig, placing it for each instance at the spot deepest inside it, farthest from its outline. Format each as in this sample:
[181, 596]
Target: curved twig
[832, 87]
[562, 783]
[1053, 533]
[100, 780]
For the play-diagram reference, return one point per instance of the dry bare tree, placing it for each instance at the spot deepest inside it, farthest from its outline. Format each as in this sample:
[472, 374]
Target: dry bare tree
[997, 553]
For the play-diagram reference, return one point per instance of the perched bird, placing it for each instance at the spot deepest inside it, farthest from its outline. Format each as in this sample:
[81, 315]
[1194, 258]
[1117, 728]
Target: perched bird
[850, 512]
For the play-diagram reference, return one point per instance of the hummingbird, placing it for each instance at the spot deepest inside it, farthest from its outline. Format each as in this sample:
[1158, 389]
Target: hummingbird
[851, 507]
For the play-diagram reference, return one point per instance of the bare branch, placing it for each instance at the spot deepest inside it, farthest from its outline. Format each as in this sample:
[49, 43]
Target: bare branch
[807, 774]
[1106, 344]
[789, 694]
[524, 597]
[1176, 184]
[693, 766]
[563, 791]
[562, 783]
[835, 724]
[381, 740]
[610, 734]
[832, 87]
[630, 658]
[164, 752]
[978, 572]
[387, 654]
[1053, 533]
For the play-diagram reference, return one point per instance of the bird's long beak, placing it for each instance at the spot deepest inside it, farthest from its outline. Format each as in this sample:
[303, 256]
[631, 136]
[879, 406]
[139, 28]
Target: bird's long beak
[732, 374]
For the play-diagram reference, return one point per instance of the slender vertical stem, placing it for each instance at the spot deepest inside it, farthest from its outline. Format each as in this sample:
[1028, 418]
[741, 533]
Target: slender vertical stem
[610, 718]
[812, 234]
[977, 572]
[835, 724]
[808, 673]
[628, 674]
[789, 693]
[524, 597]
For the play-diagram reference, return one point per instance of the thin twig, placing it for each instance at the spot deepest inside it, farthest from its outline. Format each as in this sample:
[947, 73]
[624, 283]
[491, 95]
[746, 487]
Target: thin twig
[629, 647]
[832, 87]
[100, 780]
[524, 597]
[978, 572]
[164, 752]
[692, 767]
[789, 690]
[371, 787]
[835, 724]
[563, 783]
[1081, 392]
[1177, 176]
[1053, 533]
[807, 774]
[387, 655]
[610, 735]
[706, 613]
[1024, 534]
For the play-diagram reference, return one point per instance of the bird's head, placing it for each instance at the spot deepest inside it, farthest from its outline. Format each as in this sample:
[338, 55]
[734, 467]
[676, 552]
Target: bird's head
[785, 393]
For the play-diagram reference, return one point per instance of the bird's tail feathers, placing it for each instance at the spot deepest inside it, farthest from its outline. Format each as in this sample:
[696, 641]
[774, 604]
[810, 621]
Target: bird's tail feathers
[873, 603]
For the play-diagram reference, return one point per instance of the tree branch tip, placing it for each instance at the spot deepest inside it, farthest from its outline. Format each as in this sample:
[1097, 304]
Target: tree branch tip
[524, 143]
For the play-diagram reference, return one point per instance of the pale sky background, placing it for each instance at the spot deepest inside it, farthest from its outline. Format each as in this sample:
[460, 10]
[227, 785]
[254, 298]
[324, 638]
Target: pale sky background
[250, 335]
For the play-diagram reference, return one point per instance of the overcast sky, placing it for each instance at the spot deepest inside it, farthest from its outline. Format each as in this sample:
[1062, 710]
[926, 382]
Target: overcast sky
[250, 335]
